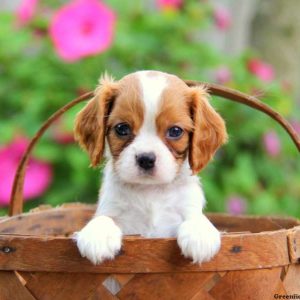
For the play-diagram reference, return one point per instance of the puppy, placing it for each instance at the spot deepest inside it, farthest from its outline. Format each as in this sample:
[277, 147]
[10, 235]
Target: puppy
[157, 133]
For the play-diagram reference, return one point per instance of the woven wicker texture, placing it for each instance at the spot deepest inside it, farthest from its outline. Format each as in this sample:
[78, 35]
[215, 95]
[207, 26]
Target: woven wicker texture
[39, 260]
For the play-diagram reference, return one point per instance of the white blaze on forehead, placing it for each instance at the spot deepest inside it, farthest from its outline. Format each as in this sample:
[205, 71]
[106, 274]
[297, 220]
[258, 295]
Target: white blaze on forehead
[152, 85]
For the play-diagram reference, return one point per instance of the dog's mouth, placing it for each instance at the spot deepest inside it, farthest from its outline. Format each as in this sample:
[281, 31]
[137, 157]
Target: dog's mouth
[147, 179]
[150, 174]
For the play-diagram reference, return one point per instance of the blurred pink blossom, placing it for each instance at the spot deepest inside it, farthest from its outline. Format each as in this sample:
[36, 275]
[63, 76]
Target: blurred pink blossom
[222, 18]
[272, 143]
[169, 4]
[296, 126]
[63, 138]
[287, 86]
[26, 10]
[262, 70]
[38, 175]
[61, 134]
[236, 205]
[82, 28]
[223, 75]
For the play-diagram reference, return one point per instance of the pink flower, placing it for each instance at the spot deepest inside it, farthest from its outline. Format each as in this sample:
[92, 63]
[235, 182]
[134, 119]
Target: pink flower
[169, 4]
[223, 75]
[38, 175]
[287, 86]
[26, 11]
[63, 138]
[61, 134]
[296, 126]
[82, 28]
[272, 143]
[262, 70]
[236, 205]
[222, 18]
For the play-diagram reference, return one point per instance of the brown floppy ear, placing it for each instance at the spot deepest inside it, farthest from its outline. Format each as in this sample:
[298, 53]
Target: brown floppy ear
[209, 130]
[90, 122]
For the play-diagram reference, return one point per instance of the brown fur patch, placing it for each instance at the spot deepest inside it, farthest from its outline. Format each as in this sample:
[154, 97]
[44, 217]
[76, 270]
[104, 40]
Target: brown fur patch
[90, 122]
[128, 108]
[175, 111]
[209, 130]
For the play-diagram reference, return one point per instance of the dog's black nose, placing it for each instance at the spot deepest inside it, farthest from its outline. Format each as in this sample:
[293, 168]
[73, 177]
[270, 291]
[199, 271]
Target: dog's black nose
[146, 160]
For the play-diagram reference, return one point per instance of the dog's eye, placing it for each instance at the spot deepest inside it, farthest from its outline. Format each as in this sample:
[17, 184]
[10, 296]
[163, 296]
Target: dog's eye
[123, 129]
[174, 133]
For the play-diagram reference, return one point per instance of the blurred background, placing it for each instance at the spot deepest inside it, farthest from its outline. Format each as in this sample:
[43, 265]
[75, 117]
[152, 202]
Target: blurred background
[53, 51]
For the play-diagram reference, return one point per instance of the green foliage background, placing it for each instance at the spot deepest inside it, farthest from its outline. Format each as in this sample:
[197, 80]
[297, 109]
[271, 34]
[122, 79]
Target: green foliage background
[34, 83]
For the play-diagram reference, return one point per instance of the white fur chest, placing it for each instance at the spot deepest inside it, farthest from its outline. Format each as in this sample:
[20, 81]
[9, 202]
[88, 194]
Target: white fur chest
[151, 211]
[156, 215]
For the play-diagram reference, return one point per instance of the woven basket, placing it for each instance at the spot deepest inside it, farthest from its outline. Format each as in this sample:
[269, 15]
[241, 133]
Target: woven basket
[259, 257]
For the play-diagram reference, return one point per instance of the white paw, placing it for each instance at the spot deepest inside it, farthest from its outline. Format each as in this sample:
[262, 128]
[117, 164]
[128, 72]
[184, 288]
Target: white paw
[198, 240]
[99, 240]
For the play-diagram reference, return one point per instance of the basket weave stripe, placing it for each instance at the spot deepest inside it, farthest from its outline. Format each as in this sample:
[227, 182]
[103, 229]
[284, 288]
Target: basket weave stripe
[51, 267]
[250, 284]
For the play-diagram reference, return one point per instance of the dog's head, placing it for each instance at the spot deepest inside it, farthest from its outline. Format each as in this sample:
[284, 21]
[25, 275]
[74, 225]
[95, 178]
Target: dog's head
[153, 122]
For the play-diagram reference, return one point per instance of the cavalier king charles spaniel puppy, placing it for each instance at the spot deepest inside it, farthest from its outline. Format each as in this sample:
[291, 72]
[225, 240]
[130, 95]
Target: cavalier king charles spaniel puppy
[156, 134]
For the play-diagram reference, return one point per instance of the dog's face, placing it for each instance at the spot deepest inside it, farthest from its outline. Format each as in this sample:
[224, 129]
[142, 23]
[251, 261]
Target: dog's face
[153, 122]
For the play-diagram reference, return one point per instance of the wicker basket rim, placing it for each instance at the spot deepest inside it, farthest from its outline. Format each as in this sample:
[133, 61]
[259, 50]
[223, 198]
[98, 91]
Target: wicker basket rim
[239, 251]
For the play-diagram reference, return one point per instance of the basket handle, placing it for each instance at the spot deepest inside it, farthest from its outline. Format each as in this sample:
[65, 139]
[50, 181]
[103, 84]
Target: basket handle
[16, 200]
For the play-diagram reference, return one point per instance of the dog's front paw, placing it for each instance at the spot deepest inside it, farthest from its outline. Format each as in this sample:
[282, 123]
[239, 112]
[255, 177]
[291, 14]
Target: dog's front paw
[198, 240]
[99, 240]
